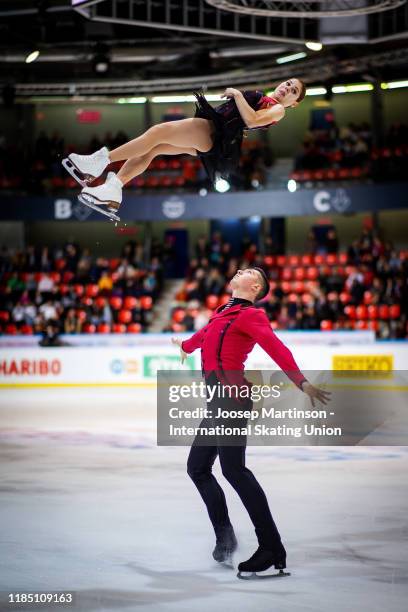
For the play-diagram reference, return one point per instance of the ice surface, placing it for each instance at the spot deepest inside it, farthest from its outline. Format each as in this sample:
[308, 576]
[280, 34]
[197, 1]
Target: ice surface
[90, 504]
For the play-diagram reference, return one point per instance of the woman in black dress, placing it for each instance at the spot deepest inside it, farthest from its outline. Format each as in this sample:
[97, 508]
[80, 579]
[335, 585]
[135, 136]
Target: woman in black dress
[214, 134]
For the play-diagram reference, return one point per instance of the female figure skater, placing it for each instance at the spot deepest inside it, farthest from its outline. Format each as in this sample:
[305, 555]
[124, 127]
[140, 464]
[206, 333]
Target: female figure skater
[214, 134]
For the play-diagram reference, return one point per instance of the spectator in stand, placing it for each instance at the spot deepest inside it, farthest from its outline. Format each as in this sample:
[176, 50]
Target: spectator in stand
[46, 286]
[105, 283]
[332, 242]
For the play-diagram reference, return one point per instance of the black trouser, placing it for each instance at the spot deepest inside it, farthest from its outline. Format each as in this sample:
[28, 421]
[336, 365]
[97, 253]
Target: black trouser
[232, 460]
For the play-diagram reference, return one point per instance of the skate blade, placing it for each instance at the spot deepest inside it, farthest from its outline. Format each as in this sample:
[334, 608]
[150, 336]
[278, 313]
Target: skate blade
[98, 208]
[83, 179]
[255, 576]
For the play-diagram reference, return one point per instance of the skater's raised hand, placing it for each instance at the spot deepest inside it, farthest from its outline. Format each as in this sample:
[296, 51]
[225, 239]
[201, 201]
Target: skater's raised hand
[316, 394]
[230, 92]
[178, 343]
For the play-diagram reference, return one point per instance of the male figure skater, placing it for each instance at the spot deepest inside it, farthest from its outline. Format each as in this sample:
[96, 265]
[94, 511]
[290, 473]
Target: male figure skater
[225, 343]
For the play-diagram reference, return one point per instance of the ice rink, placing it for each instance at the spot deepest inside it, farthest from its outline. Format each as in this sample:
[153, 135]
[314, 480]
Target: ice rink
[90, 505]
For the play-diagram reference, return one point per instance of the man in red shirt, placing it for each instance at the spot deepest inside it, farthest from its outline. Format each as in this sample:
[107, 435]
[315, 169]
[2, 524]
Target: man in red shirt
[225, 343]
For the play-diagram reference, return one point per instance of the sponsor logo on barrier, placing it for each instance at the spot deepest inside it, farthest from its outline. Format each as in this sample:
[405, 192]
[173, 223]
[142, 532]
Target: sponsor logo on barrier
[30, 367]
[124, 366]
[323, 201]
[152, 363]
[362, 365]
[173, 207]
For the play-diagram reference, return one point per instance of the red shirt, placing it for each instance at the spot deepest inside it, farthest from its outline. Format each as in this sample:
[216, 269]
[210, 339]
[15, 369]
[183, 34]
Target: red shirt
[229, 337]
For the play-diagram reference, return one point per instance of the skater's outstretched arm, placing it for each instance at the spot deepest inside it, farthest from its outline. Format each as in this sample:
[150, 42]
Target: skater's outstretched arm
[259, 328]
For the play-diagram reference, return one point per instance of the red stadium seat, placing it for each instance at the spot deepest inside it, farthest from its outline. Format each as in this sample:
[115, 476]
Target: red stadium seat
[286, 274]
[373, 325]
[326, 325]
[344, 297]
[63, 289]
[100, 302]
[67, 276]
[146, 302]
[179, 181]
[299, 274]
[134, 328]
[331, 259]
[293, 260]
[116, 302]
[118, 328]
[368, 297]
[86, 301]
[114, 263]
[124, 316]
[79, 290]
[361, 324]
[372, 311]
[103, 328]
[350, 312]
[11, 329]
[55, 276]
[4, 316]
[269, 261]
[211, 301]
[320, 259]
[312, 273]
[286, 286]
[395, 311]
[298, 286]
[60, 263]
[89, 328]
[343, 258]
[383, 311]
[307, 260]
[92, 291]
[27, 330]
[130, 302]
[178, 315]
[307, 298]
[224, 299]
[361, 312]
[292, 297]
[274, 325]
[280, 261]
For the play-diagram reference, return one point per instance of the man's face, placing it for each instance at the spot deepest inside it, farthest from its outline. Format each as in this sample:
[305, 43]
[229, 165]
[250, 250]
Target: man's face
[248, 280]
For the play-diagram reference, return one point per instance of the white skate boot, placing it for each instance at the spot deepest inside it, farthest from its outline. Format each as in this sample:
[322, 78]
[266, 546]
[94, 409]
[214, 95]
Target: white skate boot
[86, 168]
[109, 194]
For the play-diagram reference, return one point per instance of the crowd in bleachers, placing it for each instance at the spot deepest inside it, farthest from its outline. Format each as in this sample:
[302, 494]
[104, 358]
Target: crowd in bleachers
[39, 171]
[362, 288]
[344, 153]
[73, 292]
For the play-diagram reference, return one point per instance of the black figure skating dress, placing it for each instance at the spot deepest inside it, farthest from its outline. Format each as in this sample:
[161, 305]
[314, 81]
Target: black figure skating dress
[223, 158]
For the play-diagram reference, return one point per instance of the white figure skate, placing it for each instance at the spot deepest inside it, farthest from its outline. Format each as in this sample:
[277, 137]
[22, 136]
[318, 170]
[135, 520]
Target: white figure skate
[109, 194]
[86, 168]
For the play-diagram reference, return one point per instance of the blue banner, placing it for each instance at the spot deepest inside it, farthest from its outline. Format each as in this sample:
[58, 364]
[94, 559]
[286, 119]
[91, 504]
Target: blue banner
[236, 204]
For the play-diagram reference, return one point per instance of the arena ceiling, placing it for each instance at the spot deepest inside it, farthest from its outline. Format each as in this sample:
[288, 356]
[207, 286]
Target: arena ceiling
[174, 45]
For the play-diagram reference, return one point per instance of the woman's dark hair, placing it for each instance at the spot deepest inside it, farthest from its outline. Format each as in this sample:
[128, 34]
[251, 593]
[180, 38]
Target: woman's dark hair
[263, 292]
[302, 91]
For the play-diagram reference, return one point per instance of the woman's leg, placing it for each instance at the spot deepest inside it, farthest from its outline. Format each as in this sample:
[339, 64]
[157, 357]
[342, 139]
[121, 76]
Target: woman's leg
[193, 133]
[136, 165]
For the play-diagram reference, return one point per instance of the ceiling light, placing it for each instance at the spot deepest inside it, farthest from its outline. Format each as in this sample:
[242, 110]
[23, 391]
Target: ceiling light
[316, 91]
[31, 57]
[314, 46]
[292, 185]
[290, 58]
[394, 84]
[337, 89]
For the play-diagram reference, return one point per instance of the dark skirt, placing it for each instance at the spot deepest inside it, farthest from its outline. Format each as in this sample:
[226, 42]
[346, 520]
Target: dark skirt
[223, 158]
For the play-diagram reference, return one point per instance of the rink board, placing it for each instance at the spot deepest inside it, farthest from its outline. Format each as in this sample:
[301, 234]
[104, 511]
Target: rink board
[138, 365]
